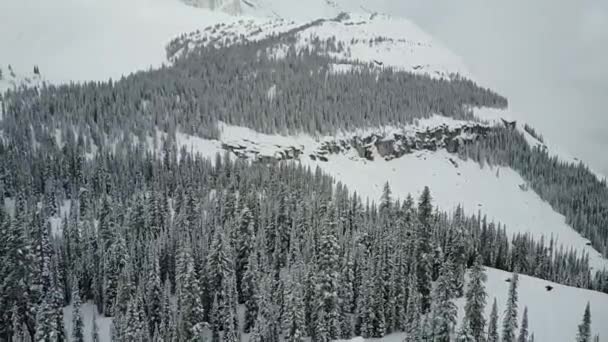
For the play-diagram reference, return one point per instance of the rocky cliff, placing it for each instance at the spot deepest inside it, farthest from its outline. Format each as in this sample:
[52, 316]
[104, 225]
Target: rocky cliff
[366, 146]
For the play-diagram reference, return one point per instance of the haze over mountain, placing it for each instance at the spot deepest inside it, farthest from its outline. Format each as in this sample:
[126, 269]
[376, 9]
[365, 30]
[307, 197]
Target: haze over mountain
[559, 51]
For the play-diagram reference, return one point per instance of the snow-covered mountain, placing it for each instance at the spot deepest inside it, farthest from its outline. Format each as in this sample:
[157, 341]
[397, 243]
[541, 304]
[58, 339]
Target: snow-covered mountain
[374, 38]
[117, 43]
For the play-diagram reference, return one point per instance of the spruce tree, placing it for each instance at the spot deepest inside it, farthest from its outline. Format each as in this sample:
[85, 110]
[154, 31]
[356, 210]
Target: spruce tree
[465, 333]
[444, 311]
[523, 331]
[190, 309]
[154, 295]
[413, 311]
[77, 323]
[584, 329]
[493, 324]
[294, 316]
[476, 300]
[424, 248]
[328, 279]
[509, 323]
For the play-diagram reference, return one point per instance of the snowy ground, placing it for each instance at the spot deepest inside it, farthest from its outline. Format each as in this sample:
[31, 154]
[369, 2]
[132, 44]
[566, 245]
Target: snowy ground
[88, 312]
[82, 40]
[380, 40]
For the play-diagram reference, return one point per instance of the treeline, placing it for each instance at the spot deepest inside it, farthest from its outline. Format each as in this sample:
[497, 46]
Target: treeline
[232, 84]
[571, 189]
[173, 248]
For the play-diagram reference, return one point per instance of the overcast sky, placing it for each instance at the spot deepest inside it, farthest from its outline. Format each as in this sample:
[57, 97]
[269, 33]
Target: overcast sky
[549, 58]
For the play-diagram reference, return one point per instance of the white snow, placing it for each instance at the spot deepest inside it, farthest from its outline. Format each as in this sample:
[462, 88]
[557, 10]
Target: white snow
[380, 40]
[82, 40]
[306, 10]
[88, 311]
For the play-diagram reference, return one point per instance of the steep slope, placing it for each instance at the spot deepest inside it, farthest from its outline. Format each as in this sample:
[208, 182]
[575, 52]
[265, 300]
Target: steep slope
[376, 39]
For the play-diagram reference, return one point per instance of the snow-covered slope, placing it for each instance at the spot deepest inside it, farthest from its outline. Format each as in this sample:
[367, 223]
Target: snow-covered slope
[81, 40]
[291, 9]
[88, 312]
[9, 79]
[380, 40]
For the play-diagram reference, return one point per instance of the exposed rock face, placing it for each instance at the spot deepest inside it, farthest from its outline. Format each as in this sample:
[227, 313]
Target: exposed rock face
[369, 147]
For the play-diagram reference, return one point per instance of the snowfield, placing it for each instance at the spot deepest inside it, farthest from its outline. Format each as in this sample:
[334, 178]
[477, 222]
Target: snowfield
[88, 312]
[374, 39]
[84, 40]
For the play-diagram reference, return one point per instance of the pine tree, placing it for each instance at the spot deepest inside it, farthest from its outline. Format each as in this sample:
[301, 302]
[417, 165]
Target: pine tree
[154, 295]
[523, 331]
[493, 324]
[584, 329]
[46, 325]
[465, 333]
[190, 309]
[424, 248]
[328, 279]
[294, 315]
[77, 324]
[250, 293]
[444, 311]
[509, 323]
[412, 327]
[244, 248]
[476, 301]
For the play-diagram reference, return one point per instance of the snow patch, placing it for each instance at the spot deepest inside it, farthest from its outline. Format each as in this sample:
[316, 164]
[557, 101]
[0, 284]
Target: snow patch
[88, 311]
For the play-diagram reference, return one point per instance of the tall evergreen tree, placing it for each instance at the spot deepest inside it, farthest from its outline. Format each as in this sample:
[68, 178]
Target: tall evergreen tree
[328, 279]
[444, 311]
[413, 311]
[584, 329]
[523, 331]
[476, 301]
[509, 323]
[77, 323]
[493, 324]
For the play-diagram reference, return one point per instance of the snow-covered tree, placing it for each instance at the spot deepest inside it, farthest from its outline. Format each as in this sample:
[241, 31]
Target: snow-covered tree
[493, 324]
[443, 310]
[523, 331]
[509, 323]
[584, 329]
[476, 301]
[77, 323]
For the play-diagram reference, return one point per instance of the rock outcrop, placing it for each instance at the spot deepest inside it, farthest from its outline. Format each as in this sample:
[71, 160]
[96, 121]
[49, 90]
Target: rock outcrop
[369, 147]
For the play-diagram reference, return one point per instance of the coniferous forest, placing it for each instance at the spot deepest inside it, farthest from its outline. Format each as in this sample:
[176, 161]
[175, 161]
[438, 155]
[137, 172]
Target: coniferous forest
[181, 248]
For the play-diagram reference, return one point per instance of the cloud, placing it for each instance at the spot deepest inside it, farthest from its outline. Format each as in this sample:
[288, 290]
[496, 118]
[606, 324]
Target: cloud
[550, 58]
